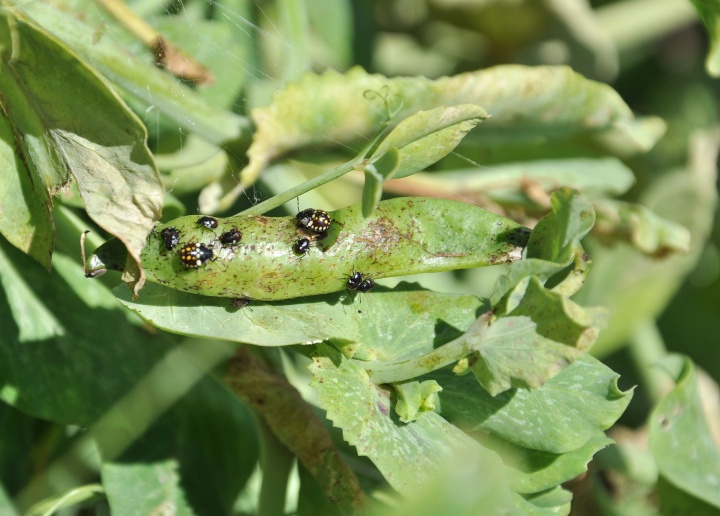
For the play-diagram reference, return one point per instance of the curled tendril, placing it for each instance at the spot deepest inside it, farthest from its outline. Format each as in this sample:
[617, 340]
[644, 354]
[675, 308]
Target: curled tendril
[392, 104]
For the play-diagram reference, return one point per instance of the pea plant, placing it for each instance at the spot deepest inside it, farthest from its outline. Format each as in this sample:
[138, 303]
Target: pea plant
[255, 288]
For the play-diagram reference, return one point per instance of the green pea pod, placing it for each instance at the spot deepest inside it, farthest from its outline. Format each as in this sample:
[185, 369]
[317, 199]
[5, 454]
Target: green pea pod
[403, 236]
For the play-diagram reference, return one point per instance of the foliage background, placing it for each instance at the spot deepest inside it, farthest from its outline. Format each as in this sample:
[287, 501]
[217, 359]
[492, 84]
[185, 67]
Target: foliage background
[656, 55]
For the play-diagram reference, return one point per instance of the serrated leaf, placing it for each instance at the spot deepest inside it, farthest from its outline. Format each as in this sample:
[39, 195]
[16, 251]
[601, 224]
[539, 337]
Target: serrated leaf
[425, 137]
[524, 102]
[408, 455]
[636, 224]
[107, 156]
[556, 316]
[571, 408]
[680, 439]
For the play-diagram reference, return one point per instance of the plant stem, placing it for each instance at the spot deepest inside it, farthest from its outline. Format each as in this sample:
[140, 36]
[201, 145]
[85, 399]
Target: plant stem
[647, 348]
[276, 462]
[320, 180]
[300, 189]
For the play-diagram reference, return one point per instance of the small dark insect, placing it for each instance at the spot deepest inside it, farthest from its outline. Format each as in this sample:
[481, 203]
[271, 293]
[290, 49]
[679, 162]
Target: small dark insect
[171, 237]
[354, 281]
[195, 254]
[302, 246]
[317, 221]
[231, 238]
[240, 302]
[207, 222]
[366, 286]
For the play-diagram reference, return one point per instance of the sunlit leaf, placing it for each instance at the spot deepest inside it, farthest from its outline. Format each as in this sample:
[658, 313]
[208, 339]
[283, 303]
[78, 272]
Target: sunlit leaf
[64, 138]
[409, 454]
[427, 136]
[571, 408]
[524, 103]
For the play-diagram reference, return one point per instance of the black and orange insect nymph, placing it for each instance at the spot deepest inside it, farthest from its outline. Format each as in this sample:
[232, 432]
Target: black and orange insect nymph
[195, 254]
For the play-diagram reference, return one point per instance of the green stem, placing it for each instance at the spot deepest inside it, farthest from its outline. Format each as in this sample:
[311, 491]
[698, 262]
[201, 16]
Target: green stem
[320, 180]
[276, 462]
[647, 348]
[300, 189]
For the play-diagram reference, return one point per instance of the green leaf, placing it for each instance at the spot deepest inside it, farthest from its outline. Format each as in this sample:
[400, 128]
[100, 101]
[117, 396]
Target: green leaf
[553, 245]
[93, 377]
[571, 219]
[403, 236]
[557, 317]
[573, 407]
[425, 137]
[553, 501]
[508, 352]
[533, 471]
[674, 500]
[680, 439]
[137, 75]
[144, 488]
[408, 455]
[334, 317]
[106, 156]
[35, 322]
[511, 353]
[210, 435]
[636, 224]
[709, 11]
[413, 398]
[26, 212]
[525, 103]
